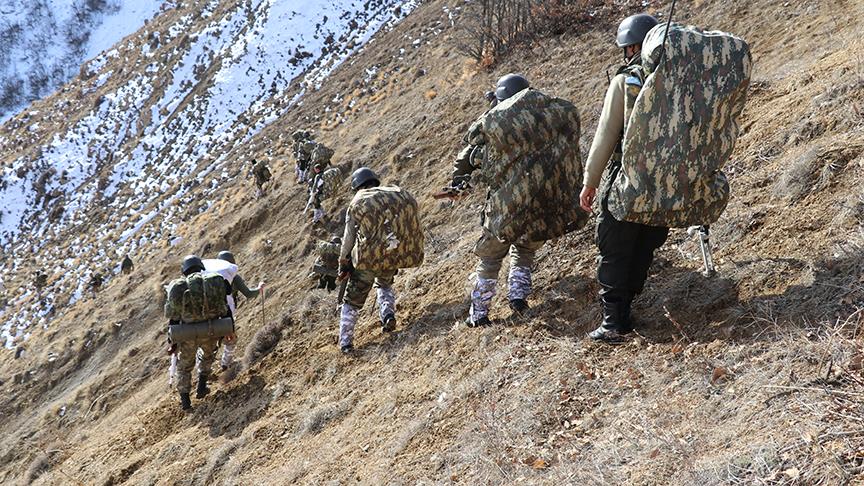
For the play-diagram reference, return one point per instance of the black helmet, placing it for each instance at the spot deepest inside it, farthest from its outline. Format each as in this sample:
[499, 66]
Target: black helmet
[191, 264]
[634, 28]
[227, 256]
[363, 176]
[510, 84]
[336, 240]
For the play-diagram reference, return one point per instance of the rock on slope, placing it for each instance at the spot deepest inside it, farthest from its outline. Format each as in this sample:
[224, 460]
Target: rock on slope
[750, 377]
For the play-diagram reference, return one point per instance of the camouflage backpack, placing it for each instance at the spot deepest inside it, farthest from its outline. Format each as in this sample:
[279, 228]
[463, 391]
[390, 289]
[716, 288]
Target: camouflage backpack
[331, 178]
[389, 235]
[321, 153]
[199, 297]
[681, 128]
[328, 258]
[533, 167]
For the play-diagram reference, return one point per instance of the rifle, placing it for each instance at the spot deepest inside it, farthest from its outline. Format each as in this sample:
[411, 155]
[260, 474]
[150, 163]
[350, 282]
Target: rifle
[342, 285]
[705, 244]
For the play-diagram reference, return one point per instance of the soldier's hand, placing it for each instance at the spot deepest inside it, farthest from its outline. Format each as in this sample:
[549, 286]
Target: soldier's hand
[586, 198]
[230, 338]
[172, 348]
[346, 268]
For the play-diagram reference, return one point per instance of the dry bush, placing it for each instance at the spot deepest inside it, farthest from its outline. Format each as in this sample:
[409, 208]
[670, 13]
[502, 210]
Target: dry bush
[317, 418]
[491, 28]
[263, 342]
[217, 460]
[44, 461]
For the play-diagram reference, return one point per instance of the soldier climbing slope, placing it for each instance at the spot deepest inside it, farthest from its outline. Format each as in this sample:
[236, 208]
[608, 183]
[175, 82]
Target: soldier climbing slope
[323, 186]
[679, 131]
[526, 148]
[262, 175]
[382, 235]
[95, 283]
[326, 266]
[198, 317]
[302, 150]
[238, 286]
[126, 266]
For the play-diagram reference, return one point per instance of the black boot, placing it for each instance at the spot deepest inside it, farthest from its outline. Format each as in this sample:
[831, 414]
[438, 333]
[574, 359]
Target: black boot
[185, 402]
[389, 323]
[482, 322]
[519, 306]
[616, 320]
[202, 389]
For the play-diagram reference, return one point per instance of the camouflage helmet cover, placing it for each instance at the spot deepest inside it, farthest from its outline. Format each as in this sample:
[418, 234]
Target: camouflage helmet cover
[632, 30]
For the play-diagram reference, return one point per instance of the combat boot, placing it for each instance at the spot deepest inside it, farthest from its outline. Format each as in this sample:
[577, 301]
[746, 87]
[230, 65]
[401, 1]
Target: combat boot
[185, 402]
[519, 306]
[346, 348]
[202, 389]
[389, 323]
[616, 322]
[481, 322]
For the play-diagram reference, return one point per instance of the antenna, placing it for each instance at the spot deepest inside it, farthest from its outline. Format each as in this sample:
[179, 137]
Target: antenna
[666, 33]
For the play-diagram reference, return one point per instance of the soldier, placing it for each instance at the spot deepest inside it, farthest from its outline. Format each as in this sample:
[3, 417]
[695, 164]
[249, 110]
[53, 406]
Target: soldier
[488, 248]
[382, 234]
[95, 282]
[302, 151]
[326, 266]
[188, 350]
[238, 286]
[262, 175]
[126, 265]
[626, 248]
[316, 193]
[40, 280]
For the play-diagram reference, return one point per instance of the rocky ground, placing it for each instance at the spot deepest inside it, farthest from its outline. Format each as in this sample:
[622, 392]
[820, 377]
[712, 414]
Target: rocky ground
[753, 376]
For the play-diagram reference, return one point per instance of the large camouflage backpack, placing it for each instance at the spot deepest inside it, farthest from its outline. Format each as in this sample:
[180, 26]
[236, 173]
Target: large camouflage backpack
[682, 128]
[328, 258]
[321, 154]
[533, 167]
[198, 297]
[389, 235]
[331, 180]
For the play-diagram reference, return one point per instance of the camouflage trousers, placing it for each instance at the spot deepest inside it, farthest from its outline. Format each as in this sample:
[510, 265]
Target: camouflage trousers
[492, 252]
[359, 284]
[188, 352]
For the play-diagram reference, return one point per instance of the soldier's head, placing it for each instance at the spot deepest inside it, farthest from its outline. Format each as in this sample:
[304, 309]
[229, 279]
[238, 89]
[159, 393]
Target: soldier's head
[337, 240]
[632, 31]
[318, 167]
[226, 256]
[191, 264]
[364, 178]
[489, 96]
[510, 84]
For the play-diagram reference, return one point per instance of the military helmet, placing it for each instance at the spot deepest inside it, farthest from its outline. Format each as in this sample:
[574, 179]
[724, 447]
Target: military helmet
[634, 28]
[191, 264]
[510, 84]
[227, 256]
[362, 176]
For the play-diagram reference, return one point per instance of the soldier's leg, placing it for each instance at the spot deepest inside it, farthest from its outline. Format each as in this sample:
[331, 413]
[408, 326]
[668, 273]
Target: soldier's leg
[491, 253]
[519, 281]
[227, 353]
[386, 299]
[330, 283]
[649, 240]
[358, 287]
[208, 348]
[616, 241]
[185, 364]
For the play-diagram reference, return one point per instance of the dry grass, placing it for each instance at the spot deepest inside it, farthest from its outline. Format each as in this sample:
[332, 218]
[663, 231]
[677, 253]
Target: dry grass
[263, 342]
[320, 416]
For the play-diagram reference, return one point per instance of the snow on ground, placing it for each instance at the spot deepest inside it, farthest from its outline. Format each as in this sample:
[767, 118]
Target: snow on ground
[236, 75]
[44, 42]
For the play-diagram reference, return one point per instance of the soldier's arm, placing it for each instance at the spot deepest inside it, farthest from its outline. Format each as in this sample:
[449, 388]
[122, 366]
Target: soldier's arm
[608, 133]
[462, 166]
[240, 285]
[348, 237]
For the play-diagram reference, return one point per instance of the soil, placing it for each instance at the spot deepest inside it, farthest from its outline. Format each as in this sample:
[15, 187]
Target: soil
[752, 376]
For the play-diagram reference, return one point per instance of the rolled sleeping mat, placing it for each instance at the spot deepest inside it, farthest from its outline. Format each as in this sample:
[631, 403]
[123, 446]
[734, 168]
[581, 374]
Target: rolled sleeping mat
[212, 329]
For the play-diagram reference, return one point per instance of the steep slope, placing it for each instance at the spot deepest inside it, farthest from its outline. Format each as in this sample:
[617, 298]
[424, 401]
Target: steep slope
[753, 376]
[44, 42]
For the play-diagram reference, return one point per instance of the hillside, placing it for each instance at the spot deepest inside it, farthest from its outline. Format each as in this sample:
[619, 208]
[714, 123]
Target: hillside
[750, 377]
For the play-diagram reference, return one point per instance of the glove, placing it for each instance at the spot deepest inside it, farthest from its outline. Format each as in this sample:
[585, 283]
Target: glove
[346, 268]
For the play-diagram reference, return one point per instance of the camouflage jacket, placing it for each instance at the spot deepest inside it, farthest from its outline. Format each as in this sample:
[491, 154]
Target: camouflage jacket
[532, 166]
[327, 262]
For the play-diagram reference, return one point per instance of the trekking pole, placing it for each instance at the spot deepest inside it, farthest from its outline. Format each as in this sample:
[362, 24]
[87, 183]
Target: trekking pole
[263, 295]
[705, 245]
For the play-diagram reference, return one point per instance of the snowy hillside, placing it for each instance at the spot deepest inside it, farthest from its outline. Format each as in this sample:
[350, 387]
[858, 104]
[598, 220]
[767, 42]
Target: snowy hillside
[169, 105]
[44, 42]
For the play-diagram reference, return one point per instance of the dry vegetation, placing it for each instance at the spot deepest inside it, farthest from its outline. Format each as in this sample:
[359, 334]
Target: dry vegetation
[752, 377]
